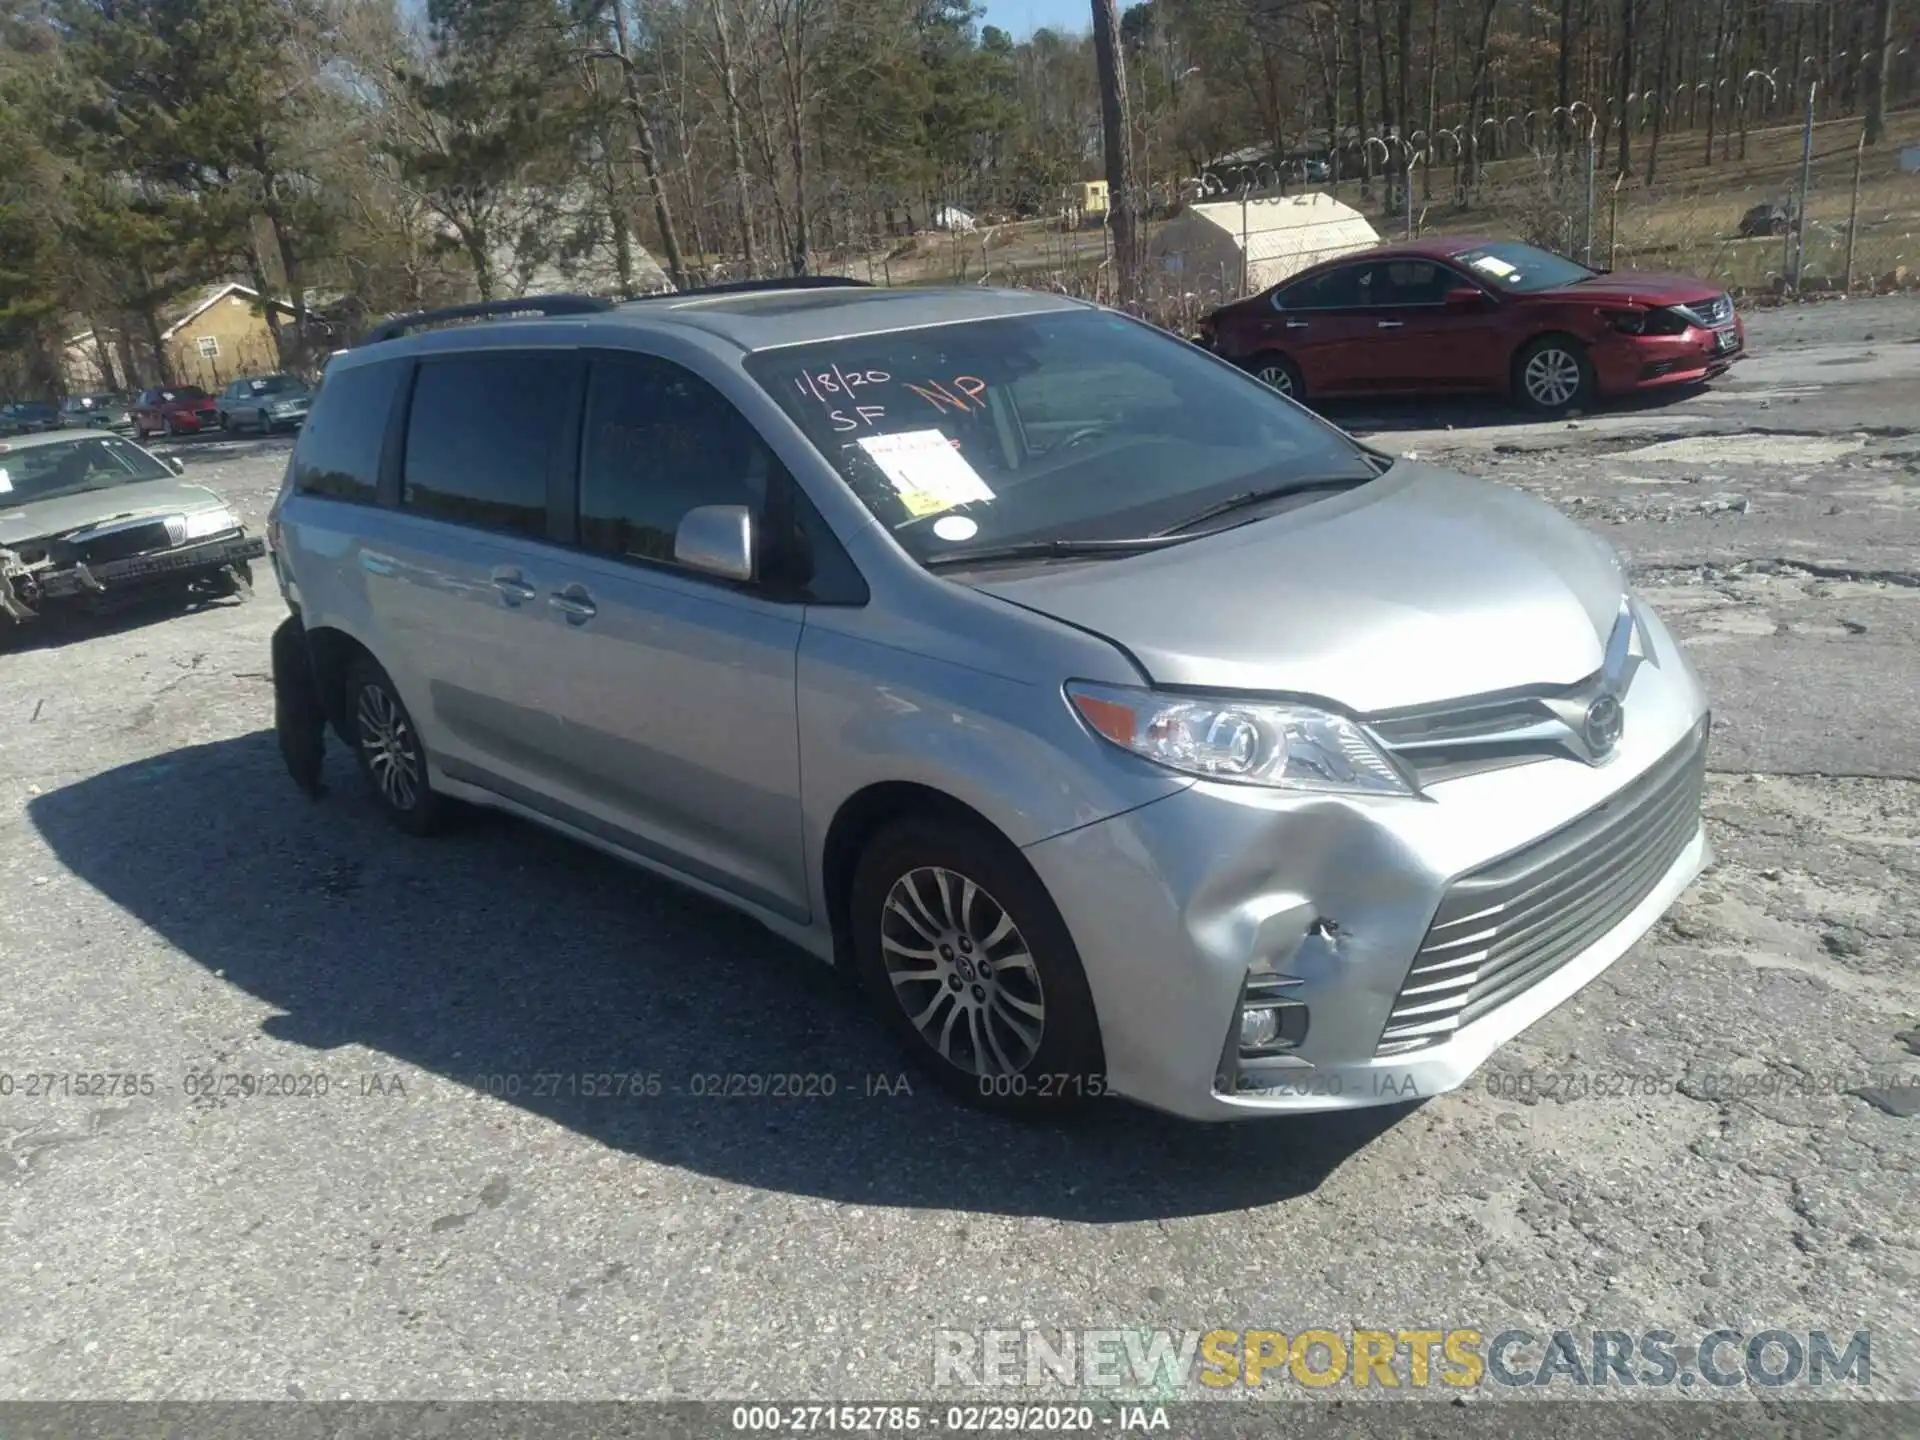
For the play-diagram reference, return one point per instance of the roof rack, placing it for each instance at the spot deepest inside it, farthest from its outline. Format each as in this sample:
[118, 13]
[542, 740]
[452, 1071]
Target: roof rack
[742, 287]
[528, 305]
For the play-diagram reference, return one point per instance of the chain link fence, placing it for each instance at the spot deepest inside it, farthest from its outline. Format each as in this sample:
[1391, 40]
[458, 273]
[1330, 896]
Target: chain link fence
[1762, 210]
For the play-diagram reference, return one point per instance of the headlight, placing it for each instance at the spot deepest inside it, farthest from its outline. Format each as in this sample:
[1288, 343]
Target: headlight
[285, 407]
[210, 522]
[1293, 747]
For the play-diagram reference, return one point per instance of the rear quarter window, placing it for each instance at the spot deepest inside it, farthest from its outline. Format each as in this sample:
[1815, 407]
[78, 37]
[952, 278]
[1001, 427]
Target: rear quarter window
[338, 455]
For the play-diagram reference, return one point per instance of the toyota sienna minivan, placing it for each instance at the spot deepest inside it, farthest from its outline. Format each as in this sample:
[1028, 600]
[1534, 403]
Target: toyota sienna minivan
[1127, 729]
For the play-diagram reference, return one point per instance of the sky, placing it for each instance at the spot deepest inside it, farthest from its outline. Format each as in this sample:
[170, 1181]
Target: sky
[1020, 18]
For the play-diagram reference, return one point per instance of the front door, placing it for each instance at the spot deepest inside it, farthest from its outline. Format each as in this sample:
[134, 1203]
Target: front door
[673, 692]
[1422, 345]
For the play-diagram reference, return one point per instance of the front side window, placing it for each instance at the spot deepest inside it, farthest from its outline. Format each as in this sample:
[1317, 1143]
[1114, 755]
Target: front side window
[1410, 282]
[1076, 425]
[480, 439]
[1521, 268]
[658, 442]
[73, 466]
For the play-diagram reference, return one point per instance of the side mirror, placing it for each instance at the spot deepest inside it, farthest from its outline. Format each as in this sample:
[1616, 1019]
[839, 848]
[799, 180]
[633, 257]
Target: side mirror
[176, 464]
[1466, 298]
[716, 540]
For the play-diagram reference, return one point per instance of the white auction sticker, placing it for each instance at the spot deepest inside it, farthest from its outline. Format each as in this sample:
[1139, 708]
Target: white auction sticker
[955, 527]
[6, 481]
[925, 470]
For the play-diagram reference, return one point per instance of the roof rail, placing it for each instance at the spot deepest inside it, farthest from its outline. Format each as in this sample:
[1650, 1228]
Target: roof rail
[528, 305]
[742, 287]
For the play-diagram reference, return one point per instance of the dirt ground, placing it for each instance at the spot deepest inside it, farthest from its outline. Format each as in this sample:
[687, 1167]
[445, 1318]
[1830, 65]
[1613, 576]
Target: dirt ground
[1721, 1131]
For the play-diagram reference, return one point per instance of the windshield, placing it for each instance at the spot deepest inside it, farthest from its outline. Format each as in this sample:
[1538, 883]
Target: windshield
[274, 385]
[184, 392]
[1522, 268]
[72, 466]
[1081, 425]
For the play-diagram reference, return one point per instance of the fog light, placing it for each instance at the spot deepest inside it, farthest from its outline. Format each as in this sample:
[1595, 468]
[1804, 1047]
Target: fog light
[1259, 1028]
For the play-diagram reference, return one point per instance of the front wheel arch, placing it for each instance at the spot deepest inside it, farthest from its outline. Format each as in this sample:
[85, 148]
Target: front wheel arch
[861, 817]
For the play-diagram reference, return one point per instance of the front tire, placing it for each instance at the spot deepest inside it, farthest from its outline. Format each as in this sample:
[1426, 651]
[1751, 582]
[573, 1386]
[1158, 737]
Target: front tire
[387, 744]
[1278, 372]
[1552, 375]
[965, 953]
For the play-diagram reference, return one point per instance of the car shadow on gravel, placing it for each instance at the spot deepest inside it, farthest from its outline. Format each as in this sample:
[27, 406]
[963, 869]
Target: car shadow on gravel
[1475, 412]
[513, 961]
[58, 628]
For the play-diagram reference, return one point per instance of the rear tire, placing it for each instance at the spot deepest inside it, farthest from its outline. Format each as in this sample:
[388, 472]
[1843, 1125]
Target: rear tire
[1278, 372]
[1552, 375]
[963, 950]
[387, 744]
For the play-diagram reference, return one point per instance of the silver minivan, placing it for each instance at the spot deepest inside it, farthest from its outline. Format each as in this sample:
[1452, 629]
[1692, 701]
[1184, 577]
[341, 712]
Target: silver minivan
[1128, 729]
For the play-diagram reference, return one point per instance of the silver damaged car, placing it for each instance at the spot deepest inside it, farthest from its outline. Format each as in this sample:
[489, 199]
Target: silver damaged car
[1126, 728]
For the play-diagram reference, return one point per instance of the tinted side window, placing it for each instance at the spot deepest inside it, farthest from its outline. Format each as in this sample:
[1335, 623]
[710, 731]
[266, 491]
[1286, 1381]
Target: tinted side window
[480, 439]
[659, 441]
[1410, 282]
[1336, 289]
[339, 451]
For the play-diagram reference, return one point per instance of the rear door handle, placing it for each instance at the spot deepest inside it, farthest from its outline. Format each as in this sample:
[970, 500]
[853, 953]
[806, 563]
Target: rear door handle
[575, 603]
[512, 587]
[1391, 324]
[1296, 324]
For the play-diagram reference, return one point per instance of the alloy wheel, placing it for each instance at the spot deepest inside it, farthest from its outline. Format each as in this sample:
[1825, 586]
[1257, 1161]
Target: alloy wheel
[962, 973]
[386, 740]
[1277, 376]
[1552, 377]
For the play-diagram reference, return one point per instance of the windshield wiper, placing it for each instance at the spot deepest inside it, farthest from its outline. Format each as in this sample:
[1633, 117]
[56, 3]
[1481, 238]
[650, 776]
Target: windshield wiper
[1260, 497]
[1046, 549]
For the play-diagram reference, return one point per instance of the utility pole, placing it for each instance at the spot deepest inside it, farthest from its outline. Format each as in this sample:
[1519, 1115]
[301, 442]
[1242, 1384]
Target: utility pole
[1116, 126]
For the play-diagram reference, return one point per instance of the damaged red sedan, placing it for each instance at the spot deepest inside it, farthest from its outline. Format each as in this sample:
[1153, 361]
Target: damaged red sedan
[1462, 316]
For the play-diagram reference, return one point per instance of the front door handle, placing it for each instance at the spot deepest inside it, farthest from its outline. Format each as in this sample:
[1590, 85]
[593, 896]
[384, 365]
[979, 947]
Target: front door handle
[1296, 324]
[1391, 324]
[574, 603]
[513, 589]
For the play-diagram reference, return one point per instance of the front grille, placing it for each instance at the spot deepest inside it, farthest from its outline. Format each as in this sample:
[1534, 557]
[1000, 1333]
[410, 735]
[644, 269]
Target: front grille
[119, 544]
[1510, 924]
[1710, 313]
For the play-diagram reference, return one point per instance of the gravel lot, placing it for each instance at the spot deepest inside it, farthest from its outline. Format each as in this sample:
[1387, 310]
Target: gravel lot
[169, 906]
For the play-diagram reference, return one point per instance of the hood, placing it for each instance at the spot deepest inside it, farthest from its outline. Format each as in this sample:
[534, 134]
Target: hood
[1422, 586]
[1637, 287]
[55, 516]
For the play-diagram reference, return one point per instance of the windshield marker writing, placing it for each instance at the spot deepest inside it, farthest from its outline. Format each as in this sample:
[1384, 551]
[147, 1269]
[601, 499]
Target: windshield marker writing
[971, 387]
[871, 414]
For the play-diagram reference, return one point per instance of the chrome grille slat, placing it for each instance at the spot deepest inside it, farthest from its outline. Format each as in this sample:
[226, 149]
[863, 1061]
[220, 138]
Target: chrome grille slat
[1528, 913]
[1543, 901]
[1580, 926]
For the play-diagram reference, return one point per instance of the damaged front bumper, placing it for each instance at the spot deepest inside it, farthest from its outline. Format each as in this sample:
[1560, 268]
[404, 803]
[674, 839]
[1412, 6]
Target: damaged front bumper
[26, 588]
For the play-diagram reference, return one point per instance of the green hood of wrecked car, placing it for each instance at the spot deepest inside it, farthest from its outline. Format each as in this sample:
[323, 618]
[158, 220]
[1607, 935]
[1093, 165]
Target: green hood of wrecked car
[58, 514]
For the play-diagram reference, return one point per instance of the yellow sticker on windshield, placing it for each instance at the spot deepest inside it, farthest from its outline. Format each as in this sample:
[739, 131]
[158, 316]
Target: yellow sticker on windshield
[926, 471]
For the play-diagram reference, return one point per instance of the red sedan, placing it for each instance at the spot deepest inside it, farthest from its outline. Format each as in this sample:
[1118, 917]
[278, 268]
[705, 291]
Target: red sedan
[175, 409]
[1458, 316]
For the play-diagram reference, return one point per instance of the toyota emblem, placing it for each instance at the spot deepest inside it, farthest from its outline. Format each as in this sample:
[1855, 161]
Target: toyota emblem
[1605, 721]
